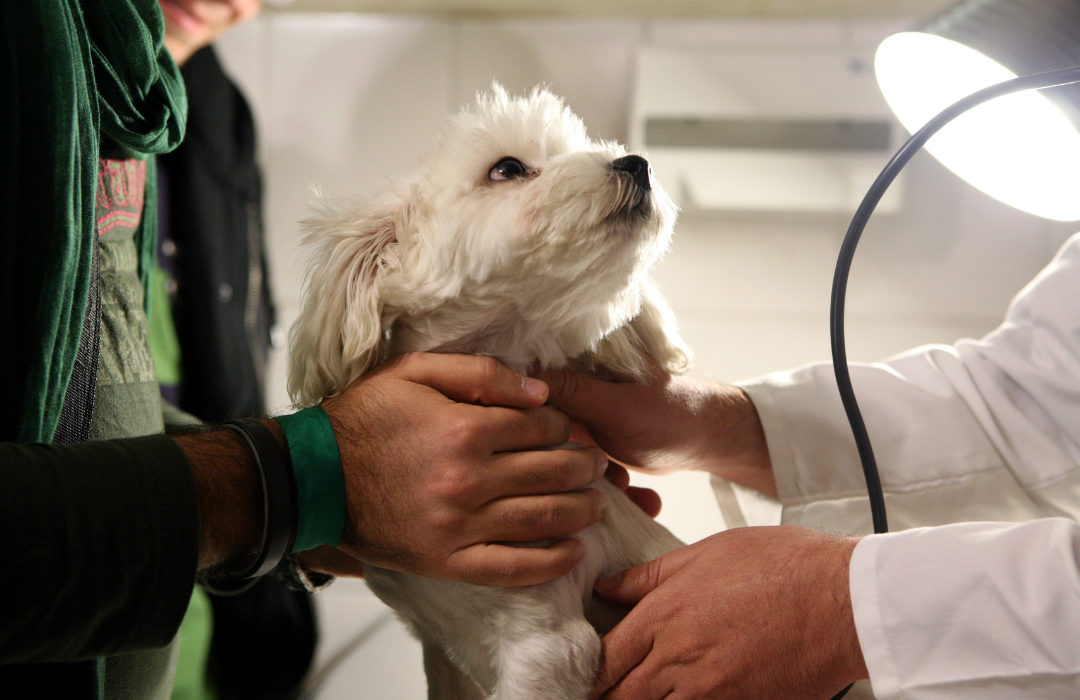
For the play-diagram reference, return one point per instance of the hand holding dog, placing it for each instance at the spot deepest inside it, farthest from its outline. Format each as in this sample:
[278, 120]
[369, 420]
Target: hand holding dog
[752, 612]
[669, 423]
[436, 478]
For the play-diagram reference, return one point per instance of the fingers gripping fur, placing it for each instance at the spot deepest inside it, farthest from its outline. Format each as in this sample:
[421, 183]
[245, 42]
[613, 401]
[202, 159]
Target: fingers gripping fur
[652, 333]
[339, 333]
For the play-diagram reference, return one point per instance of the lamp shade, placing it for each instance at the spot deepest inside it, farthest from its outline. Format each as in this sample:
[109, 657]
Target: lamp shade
[1023, 149]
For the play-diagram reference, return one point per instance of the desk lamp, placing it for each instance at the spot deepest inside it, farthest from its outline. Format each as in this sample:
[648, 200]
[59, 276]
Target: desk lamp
[1023, 149]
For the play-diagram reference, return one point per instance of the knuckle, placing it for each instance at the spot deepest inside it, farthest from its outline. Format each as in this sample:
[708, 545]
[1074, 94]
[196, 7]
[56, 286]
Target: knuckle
[600, 503]
[511, 570]
[461, 566]
[557, 424]
[599, 460]
[445, 520]
[453, 483]
[570, 384]
[489, 370]
[561, 383]
[547, 426]
[533, 425]
[561, 470]
[549, 514]
[463, 429]
[536, 521]
[652, 574]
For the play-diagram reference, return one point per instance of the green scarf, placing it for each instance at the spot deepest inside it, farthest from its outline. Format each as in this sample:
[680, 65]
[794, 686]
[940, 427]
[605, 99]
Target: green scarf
[71, 71]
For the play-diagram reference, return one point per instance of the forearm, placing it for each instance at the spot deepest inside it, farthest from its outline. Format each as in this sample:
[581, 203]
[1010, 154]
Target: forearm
[737, 450]
[979, 430]
[229, 495]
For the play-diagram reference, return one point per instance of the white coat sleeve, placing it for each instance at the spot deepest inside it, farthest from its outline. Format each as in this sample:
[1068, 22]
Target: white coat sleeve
[979, 430]
[979, 611]
[983, 430]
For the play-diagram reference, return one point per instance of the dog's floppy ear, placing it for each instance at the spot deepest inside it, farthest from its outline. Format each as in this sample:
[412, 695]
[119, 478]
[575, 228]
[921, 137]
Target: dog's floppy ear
[339, 333]
[651, 333]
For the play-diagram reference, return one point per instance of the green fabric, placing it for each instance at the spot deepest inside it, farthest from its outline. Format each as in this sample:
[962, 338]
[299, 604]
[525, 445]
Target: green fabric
[164, 342]
[177, 418]
[195, 633]
[75, 74]
[140, 92]
[71, 71]
[320, 482]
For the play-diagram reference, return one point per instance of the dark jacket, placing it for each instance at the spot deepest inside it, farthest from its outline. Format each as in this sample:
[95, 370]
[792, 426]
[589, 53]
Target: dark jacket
[211, 209]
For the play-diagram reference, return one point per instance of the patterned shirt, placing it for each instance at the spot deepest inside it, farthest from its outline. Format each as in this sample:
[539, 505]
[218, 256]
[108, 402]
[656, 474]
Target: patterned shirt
[128, 403]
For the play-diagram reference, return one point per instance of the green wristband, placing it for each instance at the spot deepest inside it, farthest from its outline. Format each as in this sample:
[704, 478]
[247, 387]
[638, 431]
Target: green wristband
[320, 483]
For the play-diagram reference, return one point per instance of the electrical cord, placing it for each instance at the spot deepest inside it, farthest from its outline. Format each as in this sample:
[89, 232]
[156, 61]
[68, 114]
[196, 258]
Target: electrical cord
[1055, 78]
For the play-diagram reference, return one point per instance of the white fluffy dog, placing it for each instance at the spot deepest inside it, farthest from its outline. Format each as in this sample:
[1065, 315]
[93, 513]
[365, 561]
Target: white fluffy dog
[520, 238]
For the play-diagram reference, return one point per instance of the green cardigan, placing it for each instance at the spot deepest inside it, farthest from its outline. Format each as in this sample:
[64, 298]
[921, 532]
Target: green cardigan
[71, 72]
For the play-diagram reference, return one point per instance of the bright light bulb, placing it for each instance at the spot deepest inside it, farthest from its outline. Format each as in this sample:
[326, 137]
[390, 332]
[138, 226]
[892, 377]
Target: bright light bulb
[1019, 148]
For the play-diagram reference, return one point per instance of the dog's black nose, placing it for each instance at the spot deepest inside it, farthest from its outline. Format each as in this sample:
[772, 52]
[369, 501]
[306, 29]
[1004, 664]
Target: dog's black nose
[637, 167]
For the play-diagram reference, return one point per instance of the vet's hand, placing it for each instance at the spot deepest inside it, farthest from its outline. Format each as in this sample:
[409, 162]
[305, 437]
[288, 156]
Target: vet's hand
[670, 423]
[747, 613]
[436, 475]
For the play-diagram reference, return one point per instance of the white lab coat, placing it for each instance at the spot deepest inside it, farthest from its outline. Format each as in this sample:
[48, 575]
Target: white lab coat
[983, 430]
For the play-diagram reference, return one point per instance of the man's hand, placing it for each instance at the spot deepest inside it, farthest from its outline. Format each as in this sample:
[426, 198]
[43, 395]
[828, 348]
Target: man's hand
[333, 561]
[669, 423]
[746, 613]
[437, 478]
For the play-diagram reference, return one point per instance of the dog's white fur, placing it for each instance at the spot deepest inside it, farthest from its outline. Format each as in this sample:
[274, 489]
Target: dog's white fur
[547, 269]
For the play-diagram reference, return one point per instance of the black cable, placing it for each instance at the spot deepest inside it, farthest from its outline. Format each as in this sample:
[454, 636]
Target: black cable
[1064, 76]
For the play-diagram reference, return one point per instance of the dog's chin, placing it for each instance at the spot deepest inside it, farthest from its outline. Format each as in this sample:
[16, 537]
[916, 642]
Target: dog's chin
[629, 200]
[634, 211]
[641, 208]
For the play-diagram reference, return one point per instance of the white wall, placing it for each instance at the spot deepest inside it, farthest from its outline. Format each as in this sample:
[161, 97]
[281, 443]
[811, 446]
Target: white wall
[343, 100]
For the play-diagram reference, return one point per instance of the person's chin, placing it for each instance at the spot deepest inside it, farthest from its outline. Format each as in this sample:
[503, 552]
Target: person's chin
[181, 20]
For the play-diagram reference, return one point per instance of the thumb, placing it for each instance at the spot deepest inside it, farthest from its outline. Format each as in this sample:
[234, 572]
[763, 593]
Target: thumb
[473, 379]
[631, 586]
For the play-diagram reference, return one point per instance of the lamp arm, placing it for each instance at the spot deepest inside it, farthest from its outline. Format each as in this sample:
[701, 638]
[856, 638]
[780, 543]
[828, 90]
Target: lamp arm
[1065, 76]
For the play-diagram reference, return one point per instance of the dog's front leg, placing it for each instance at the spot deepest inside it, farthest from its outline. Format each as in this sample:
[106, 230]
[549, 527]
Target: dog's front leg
[547, 650]
[444, 679]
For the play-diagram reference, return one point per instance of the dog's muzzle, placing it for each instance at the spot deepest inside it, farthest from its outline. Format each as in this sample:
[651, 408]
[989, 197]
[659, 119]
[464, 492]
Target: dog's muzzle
[635, 169]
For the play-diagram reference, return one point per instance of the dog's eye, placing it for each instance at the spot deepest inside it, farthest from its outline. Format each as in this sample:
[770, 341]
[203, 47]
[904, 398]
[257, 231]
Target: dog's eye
[508, 169]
